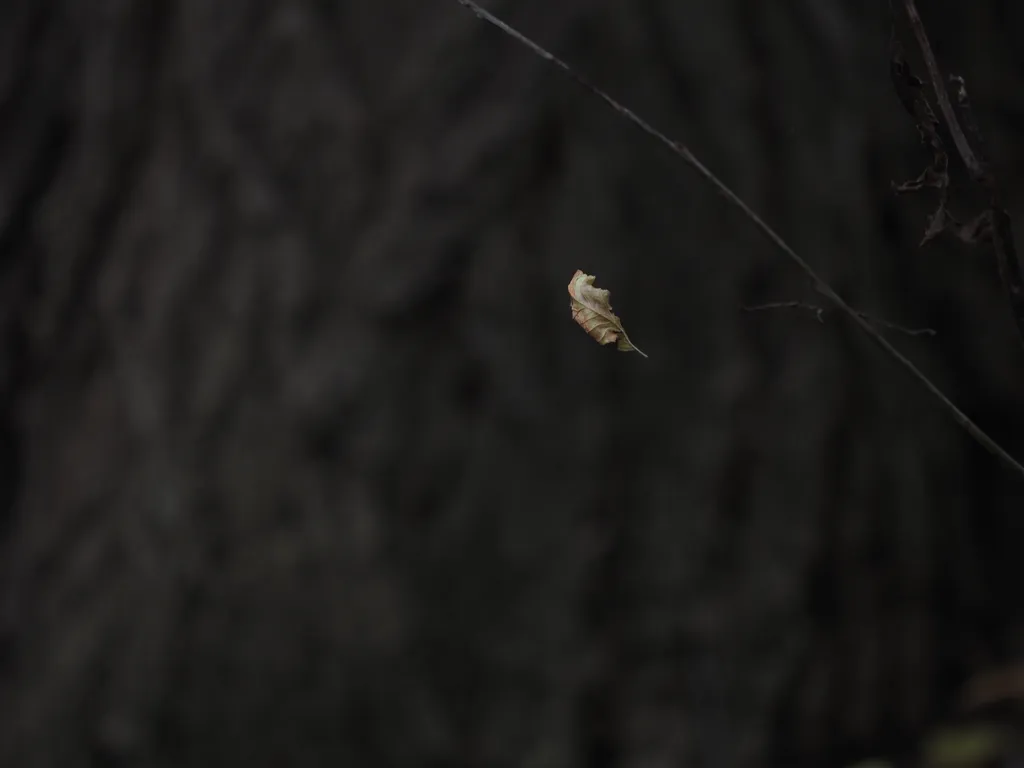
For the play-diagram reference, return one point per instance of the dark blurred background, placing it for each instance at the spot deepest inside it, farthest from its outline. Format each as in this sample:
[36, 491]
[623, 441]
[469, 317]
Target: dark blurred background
[304, 462]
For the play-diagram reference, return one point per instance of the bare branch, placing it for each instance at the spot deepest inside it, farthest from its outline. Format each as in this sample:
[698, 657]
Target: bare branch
[819, 284]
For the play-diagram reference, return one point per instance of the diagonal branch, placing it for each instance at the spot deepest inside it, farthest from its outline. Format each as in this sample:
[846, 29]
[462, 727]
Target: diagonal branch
[819, 284]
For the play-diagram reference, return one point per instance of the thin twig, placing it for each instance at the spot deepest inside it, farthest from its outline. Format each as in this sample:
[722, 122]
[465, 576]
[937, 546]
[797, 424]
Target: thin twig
[819, 314]
[819, 284]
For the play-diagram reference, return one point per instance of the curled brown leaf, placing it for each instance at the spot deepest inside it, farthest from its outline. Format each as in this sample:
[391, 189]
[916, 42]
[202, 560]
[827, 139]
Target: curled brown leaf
[592, 310]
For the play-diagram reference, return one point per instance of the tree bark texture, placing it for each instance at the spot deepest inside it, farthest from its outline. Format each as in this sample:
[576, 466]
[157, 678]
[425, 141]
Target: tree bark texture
[306, 464]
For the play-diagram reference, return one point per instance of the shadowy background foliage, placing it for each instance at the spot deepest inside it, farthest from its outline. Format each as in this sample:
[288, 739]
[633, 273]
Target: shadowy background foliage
[306, 464]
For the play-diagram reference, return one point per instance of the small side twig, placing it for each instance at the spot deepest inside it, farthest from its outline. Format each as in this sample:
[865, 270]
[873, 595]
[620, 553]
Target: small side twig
[781, 245]
[993, 224]
[819, 314]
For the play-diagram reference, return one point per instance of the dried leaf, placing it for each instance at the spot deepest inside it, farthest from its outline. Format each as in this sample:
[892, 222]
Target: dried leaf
[938, 222]
[592, 310]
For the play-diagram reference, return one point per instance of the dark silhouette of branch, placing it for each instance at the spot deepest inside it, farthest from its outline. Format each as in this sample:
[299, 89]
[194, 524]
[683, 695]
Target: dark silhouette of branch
[819, 284]
[993, 224]
[819, 314]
